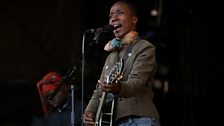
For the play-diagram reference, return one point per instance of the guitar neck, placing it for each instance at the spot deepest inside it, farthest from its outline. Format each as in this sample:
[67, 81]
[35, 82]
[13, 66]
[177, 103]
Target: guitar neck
[98, 113]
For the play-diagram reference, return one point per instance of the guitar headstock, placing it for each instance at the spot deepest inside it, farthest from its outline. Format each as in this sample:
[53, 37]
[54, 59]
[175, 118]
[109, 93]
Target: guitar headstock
[116, 73]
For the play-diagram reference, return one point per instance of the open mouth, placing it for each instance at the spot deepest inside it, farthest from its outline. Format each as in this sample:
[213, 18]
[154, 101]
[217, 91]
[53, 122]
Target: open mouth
[117, 26]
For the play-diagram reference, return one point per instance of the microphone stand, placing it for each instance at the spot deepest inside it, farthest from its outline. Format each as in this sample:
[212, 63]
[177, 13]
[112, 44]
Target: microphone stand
[69, 77]
[73, 105]
[83, 69]
[96, 38]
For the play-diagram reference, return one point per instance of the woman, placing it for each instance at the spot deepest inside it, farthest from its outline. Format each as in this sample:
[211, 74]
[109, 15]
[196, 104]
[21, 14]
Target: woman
[134, 96]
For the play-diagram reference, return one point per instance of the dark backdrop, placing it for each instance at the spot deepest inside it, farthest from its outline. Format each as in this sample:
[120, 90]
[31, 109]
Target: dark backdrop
[39, 36]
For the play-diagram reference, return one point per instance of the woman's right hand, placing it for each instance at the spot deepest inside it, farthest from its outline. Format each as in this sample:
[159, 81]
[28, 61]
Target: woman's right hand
[88, 119]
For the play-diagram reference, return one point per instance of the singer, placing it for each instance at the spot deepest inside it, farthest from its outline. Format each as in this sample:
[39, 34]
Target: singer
[131, 93]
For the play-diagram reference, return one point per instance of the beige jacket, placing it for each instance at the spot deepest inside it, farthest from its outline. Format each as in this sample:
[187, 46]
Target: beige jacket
[136, 96]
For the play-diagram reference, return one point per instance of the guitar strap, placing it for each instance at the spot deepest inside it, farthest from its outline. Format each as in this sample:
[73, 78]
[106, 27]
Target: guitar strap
[128, 50]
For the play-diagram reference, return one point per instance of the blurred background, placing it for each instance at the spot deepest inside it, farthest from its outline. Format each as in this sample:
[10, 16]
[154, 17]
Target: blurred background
[38, 36]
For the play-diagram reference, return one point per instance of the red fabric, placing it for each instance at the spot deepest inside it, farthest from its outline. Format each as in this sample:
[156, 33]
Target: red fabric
[47, 85]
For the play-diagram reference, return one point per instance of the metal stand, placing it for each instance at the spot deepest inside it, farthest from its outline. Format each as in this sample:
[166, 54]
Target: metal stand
[73, 105]
[96, 38]
[69, 78]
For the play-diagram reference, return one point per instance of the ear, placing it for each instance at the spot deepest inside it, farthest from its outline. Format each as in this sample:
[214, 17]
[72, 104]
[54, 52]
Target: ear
[135, 20]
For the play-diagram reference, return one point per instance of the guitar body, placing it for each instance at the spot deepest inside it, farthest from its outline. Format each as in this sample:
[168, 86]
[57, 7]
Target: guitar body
[105, 112]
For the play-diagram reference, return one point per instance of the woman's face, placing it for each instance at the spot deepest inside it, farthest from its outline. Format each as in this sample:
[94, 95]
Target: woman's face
[120, 15]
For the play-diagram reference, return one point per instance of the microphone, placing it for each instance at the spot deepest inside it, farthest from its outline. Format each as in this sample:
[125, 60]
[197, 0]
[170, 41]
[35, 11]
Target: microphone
[107, 28]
